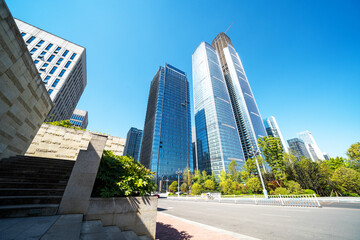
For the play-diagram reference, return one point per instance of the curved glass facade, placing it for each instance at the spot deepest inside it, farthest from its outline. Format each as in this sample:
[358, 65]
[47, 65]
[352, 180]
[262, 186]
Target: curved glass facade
[166, 145]
[217, 139]
[247, 116]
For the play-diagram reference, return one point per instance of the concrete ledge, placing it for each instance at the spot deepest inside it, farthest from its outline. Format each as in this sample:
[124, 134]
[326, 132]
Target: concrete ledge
[137, 214]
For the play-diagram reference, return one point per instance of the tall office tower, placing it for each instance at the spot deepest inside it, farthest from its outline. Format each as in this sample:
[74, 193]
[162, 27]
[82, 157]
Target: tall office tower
[326, 156]
[217, 139]
[312, 147]
[272, 129]
[193, 134]
[166, 144]
[247, 116]
[298, 148]
[62, 68]
[133, 143]
[79, 118]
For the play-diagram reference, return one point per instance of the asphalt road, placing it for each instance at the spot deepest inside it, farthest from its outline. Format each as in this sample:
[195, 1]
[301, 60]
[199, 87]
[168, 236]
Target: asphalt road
[270, 222]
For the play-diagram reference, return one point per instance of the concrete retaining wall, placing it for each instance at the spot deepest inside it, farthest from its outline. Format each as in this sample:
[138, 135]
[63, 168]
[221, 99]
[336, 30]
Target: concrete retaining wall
[137, 214]
[65, 143]
[24, 101]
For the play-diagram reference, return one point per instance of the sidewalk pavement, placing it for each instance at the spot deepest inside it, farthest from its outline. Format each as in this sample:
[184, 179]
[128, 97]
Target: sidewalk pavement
[169, 227]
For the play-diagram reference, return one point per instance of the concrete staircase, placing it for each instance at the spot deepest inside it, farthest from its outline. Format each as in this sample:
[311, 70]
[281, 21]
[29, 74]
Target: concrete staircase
[92, 230]
[32, 186]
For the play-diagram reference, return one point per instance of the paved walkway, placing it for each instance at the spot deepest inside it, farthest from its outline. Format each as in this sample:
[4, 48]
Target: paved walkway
[169, 227]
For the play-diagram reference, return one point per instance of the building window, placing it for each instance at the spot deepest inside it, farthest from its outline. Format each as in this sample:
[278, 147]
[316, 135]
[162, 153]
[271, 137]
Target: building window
[73, 56]
[40, 43]
[59, 61]
[36, 61]
[43, 68]
[46, 80]
[67, 64]
[50, 91]
[53, 70]
[30, 40]
[42, 54]
[48, 46]
[23, 34]
[32, 51]
[57, 50]
[51, 58]
[55, 82]
[62, 73]
[65, 53]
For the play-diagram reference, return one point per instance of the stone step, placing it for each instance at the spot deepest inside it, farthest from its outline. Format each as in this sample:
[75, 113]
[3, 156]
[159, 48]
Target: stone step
[114, 233]
[38, 163]
[66, 227]
[19, 179]
[130, 235]
[42, 175]
[35, 165]
[33, 185]
[25, 200]
[10, 211]
[31, 192]
[33, 158]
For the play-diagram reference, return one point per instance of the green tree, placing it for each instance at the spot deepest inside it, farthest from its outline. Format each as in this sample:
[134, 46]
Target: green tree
[254, 184]
[272, 150]
[184, 188]
[64, 123]
[354, 156]
[250, 169]
[187, 177]
[197, 177]
[234, 175]
[209, 185]
[335, 163]
[347, 180]
[227, 186]
[173, 187]
[120, 176]
[196, 189]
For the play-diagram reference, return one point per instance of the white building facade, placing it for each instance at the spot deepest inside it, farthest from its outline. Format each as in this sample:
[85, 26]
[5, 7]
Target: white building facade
[79, 118]
[311, 146]
[62, 68]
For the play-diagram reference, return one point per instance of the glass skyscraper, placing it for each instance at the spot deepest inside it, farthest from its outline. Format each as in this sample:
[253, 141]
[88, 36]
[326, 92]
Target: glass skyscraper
[298, 148]
[247, 116]
[166, 145]
[217, 138]
[311, 146]
[272, 129]
[133, 143]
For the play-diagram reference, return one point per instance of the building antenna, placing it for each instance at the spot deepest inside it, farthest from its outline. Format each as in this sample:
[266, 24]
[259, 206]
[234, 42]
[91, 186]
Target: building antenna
[229, 28]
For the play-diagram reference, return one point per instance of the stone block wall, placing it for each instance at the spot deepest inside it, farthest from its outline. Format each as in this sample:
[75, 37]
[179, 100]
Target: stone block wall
[24, 101]
[65, 143]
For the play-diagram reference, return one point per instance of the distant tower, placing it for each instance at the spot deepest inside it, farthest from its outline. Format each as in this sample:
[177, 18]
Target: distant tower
[62, 68]
[298, 148]
[247, 116]
[217, 138]
[79, 118]
[166, 145]
[326, 156]
[133, 143]
[316, 153]
[272, 129]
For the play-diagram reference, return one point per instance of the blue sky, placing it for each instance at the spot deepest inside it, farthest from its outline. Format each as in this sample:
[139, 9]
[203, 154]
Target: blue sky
[302, 58]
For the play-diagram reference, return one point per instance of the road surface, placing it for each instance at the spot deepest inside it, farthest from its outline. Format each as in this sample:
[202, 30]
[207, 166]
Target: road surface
[269, 222]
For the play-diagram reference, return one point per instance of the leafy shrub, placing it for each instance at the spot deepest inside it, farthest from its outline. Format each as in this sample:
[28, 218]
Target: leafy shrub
[294, 187]
[196, 189]
[227, 186]
[120, 176]
[281, 190]
[170, 194]
[173, 187]
[347, 180]
[209, 185]
[308, 191]
[65, 123]
[184, 188]
[254, 184]
[350, 194]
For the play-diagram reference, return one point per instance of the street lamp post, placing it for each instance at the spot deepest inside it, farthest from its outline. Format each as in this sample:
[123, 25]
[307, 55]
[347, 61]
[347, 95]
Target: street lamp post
[178, 172]
[255, 153]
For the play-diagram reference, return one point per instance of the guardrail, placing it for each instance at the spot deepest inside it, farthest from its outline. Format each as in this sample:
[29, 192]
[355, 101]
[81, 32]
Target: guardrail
[308, 200]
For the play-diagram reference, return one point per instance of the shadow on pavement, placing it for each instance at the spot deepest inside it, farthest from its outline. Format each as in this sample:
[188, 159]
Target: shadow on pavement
[167, 232]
